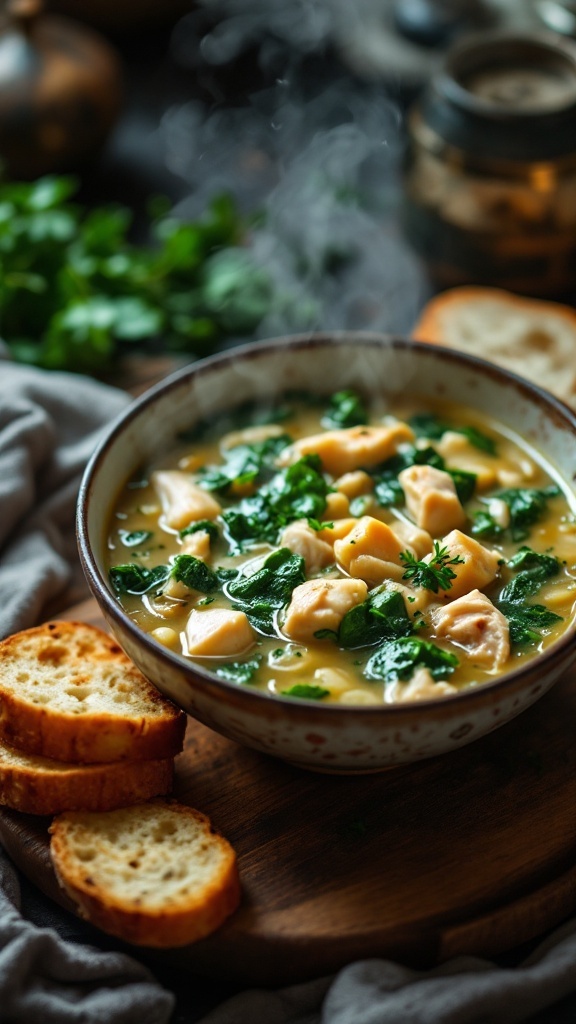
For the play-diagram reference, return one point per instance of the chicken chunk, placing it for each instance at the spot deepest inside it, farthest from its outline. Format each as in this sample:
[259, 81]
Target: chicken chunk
[479, 566]
[321, 604]
[422, 686]
[475, 624]
[431, 499]
[342, 451]
[368, 551]
[215, 632]
[302, 540]
[183, 502]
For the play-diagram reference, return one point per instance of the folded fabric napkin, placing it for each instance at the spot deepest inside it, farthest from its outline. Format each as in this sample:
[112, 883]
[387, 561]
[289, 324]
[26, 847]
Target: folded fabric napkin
[49, 425]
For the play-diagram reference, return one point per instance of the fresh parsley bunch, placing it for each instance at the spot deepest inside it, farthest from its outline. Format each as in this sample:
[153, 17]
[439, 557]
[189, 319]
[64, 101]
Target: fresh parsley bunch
[75, 291]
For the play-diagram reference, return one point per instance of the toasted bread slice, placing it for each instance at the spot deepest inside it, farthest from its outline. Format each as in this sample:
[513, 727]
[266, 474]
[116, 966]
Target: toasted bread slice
[155, 874]
[68, 691]
[40, 785]
[535, 338]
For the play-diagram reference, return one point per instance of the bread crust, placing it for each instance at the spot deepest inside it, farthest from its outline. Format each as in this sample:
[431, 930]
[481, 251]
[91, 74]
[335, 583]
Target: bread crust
[38, 785]
[45, 675]
[160, 919]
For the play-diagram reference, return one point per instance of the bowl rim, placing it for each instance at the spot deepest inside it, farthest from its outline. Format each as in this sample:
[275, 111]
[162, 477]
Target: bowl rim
[315, 339]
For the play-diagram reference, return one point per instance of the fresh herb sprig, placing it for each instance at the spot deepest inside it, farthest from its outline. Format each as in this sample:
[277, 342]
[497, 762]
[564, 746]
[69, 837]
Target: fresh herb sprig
[434, 575]
[76, 291]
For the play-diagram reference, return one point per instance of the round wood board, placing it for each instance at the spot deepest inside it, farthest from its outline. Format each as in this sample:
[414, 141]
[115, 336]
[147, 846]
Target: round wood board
[474, 852]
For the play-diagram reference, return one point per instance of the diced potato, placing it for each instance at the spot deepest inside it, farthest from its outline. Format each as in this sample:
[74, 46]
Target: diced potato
[342, 451]
[456, 449]
[422, 686]
[479, 568]
[251, 435]
[215, 632]
[339, 528]
[475, 624]
[321, 604]
[302, 540]
[412, 538]
[354, 484]
[183, 502]
[337, 506]
[431, 499]
[197, 544]
[166, 636]
[368, 537]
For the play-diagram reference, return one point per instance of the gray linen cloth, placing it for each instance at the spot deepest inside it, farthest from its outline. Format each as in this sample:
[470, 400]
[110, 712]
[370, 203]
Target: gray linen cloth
[49, 425]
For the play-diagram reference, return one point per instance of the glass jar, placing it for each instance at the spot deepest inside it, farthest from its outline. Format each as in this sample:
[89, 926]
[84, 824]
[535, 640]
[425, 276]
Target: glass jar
[490, 175]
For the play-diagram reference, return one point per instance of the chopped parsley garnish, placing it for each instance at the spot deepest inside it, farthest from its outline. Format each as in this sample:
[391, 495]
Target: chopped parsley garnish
[434, 575]
[382, 616]
[131, 538]
[345, 409]
[297, 492]
[397, 660]
[240, 672]
[137, 579]
[263, 593]
[308, 691]
[432, 427]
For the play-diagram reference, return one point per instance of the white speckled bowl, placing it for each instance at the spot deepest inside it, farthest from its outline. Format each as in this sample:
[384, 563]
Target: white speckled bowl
[329, 738]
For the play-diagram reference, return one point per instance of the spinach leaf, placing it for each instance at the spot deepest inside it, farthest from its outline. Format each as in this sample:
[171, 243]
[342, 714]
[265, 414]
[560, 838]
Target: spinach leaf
[263, 593]
[527, 505]
[432, 427]
[136, 579]
[484, 525]
[244, 464]
[206, 525]
[131, 538]
[398, 659]
[464, 482]
[240, 672]
[297, 492]
[308, 691]
[194, 573]
[527, 622]
[345, 409]
[382, 616]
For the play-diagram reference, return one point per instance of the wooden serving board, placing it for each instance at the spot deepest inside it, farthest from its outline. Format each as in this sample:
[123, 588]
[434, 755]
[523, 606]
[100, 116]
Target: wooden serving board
[473, 852]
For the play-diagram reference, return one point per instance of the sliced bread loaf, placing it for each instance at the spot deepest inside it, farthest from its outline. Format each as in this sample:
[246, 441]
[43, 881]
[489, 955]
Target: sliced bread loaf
[155, 874]
[68, 691]
[40, 785]
[532, 337]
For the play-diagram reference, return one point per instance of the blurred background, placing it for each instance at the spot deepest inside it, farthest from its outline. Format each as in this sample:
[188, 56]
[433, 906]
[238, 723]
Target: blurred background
[235, 169]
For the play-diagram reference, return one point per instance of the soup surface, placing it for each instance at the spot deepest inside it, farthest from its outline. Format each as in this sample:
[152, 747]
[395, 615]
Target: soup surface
[327, 550]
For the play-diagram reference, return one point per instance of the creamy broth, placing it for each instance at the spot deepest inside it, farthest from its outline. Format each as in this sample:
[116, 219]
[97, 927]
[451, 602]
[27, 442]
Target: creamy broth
[348, 555]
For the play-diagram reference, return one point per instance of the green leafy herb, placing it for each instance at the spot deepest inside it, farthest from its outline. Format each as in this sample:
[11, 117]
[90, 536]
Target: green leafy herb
[434, 575]
[297, 492]
[245, 464]
[464, 482]
[75, 291]
[131, 538]
[306, 690]
[382, 616]
[484, 525]
[398, 659]
[240, 672]
[205, 525]
[194, 574]
[345, 409]
[263, 593]
[432, 427]
[527, 621]
[136, 579]
[527, 505]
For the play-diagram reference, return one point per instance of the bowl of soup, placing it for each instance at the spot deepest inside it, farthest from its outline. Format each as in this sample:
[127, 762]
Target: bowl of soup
[345, 550]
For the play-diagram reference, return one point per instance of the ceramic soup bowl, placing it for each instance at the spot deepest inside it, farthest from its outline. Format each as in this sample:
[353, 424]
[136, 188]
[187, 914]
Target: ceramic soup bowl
[334, 737]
